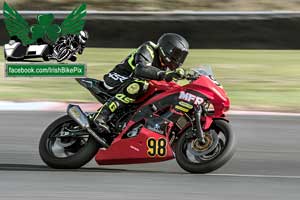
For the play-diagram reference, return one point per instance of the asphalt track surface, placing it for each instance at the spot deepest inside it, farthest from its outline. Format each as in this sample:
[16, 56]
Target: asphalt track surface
[265, 166]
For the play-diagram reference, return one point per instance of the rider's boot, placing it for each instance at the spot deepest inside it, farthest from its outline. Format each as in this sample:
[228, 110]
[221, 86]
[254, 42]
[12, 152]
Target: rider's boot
[101, 119]
[104, 114]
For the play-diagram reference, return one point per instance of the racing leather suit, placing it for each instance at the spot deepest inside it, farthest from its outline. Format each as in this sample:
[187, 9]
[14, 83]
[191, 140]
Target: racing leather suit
[129, 79]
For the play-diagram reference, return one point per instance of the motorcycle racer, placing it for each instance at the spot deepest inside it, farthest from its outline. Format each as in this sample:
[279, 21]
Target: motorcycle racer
[129, 79]
[67, 46]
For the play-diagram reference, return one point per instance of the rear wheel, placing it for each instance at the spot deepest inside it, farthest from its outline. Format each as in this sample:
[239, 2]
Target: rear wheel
[64, 145]
[45, 56]
[218, 149]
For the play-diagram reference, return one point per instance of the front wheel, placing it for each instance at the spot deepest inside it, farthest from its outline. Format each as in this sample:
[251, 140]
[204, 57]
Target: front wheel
[64, 145]
[195, 157]
[63, 54]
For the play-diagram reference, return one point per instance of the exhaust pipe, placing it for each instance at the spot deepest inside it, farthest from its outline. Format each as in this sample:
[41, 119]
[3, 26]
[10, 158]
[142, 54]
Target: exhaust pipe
[75, 112]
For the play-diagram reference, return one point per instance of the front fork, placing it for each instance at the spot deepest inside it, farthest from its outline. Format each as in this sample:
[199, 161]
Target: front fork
[200, 133]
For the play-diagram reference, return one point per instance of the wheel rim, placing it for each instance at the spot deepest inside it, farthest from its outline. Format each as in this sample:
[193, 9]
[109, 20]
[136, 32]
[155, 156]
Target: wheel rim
[63, 147]
[63, 54]
[208, 152]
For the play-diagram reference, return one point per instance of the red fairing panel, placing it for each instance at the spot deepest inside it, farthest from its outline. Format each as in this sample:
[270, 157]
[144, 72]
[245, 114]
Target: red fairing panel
[155, 86]
[149, 146]
[214, 93]
[146, 147]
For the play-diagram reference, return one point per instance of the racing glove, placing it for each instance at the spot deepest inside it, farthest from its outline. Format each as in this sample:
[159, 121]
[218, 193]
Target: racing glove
[174, 75]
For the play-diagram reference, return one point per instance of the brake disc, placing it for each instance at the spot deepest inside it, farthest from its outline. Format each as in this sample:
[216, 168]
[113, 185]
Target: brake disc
[198, 149]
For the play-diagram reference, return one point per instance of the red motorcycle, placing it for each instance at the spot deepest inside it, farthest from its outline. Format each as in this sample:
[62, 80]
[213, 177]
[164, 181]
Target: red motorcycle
[170, 121]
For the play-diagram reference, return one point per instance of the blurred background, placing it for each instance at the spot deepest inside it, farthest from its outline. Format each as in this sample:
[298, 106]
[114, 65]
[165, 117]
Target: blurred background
[254, 54]
[253, 47]
[157, 5]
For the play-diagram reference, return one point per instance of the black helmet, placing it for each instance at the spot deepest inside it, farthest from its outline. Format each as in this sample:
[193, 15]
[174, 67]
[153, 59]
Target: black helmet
[173, 50]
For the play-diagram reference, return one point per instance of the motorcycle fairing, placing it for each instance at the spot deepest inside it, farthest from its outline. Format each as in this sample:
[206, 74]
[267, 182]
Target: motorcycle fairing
[215, 94]
[162, 102]
[136, 149]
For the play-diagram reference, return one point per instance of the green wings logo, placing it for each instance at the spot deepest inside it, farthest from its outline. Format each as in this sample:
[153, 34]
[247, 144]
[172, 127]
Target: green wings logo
[44, 29]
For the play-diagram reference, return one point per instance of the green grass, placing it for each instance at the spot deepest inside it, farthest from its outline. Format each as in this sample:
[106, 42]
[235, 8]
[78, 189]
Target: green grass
[258, 79]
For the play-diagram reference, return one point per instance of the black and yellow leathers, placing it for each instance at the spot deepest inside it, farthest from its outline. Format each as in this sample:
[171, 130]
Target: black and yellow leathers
[129, 79]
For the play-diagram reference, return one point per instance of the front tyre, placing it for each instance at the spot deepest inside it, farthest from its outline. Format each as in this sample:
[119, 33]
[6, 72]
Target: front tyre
[63, 54]
[64, 145]
[196, 158]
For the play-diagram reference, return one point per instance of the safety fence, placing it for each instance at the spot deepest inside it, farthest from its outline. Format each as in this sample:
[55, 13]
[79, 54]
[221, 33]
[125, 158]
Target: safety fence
[214, 30]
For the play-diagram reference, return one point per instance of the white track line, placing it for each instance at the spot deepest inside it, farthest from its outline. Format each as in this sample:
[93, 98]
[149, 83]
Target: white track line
[254, 176]
[263, 113]
[27, 106]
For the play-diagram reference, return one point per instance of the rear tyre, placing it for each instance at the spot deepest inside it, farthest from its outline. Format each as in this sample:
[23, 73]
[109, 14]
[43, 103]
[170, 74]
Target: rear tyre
[200, 162]
[45, 55]
[67, 152]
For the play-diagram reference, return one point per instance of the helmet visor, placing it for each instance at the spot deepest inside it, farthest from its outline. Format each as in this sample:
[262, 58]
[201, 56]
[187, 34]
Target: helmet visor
[178, 56]
[175, 54]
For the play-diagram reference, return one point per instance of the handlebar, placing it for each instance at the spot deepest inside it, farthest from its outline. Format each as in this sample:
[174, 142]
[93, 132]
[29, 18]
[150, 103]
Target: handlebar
[194, 75]
[190, 77]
